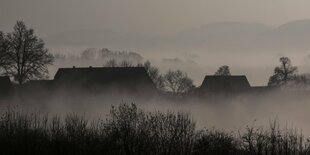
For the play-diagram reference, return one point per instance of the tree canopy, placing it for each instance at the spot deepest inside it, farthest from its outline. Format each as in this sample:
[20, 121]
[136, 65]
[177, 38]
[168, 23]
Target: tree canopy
[283, 73]
[23, 55]
[178, 82]
[223, 71]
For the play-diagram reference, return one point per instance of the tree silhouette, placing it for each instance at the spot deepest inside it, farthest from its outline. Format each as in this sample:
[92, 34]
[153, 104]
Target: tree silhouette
[24, 54]
[282, 74]
[111, 63]
[178, 82]
[126, 63]
[223, 71]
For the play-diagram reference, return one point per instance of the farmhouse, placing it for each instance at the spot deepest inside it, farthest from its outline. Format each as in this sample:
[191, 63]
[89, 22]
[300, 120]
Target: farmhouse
[225, 84]
[119, 79]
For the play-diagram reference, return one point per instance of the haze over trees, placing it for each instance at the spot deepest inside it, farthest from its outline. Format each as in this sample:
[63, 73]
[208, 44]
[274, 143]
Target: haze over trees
[23, 55]
[105, 55]
[223, 71]
[98, 57]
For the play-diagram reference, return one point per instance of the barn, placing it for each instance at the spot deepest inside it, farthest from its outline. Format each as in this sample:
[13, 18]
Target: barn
[225, 84]
[98, 79]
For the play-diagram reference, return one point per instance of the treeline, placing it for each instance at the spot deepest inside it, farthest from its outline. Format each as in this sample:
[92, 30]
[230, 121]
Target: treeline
[130, 130]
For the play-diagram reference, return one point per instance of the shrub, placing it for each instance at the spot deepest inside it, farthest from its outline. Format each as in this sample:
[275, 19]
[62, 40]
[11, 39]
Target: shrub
[214, 142]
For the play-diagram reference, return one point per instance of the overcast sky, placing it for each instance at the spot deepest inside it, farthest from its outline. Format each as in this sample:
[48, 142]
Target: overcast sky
[145, 16]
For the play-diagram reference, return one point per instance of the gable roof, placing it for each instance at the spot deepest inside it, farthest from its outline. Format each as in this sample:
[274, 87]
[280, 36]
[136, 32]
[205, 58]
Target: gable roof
[125, 77]
[225, 83]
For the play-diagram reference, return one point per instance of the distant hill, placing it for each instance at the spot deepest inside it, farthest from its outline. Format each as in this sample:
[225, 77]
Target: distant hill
[294, 35]
[223, 36]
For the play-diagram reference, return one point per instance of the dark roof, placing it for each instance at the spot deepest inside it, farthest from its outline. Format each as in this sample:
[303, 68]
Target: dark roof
[5, 84]
[225, 83]
[39, 84]
[261, 88]
[129, 77]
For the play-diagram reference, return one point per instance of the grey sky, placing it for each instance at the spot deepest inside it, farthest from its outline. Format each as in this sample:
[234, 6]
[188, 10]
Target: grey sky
[145, 16]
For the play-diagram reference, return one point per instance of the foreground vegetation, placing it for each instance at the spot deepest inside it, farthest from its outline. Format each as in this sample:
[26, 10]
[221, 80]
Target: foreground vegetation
[130, 130]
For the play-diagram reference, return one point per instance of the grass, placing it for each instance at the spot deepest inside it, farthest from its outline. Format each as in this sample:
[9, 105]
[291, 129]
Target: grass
[129, 130]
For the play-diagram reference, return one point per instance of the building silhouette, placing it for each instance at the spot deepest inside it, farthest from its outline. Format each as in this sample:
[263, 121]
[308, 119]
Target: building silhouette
[224, 84]
[104, 79]
[123, 80]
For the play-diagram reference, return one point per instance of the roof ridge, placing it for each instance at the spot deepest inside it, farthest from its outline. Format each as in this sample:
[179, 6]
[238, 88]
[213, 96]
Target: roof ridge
[99, 67]
[225, 76]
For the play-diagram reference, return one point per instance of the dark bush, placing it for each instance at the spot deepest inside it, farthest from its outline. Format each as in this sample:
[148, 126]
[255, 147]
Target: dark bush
[213, 142]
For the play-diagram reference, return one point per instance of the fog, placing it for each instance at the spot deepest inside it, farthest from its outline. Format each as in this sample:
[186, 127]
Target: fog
[230, 113]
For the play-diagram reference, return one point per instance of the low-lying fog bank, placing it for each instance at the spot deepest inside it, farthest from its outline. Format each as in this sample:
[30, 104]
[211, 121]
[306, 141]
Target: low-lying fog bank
[128, 129]
[224, 112]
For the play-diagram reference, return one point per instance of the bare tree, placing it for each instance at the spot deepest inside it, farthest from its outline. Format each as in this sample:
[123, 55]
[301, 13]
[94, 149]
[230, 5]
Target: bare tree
[283, 73]
[223, 71]
[126, 64]
[178, 82]
[26, 53]
[111, 63]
